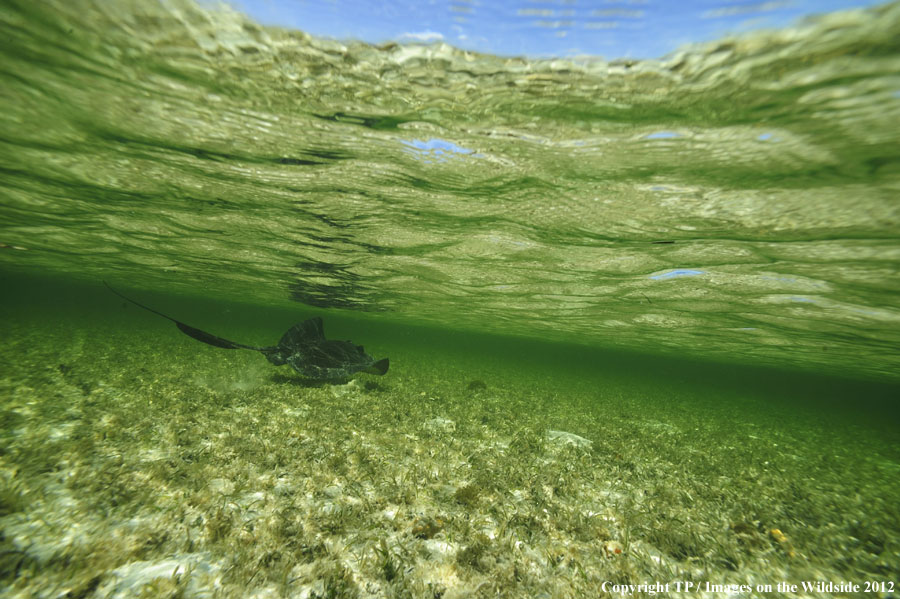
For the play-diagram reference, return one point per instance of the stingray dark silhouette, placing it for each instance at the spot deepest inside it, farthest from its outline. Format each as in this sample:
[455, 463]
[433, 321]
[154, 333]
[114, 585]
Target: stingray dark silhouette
[303, 346]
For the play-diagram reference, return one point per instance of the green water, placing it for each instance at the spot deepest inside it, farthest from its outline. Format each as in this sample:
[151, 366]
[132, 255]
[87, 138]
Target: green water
[734, 201]
[642, 317]
[137, 462]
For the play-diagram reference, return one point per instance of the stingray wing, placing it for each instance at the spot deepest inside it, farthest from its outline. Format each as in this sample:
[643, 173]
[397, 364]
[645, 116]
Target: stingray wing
[306, 349]
[380, 367]
[328, 359]
[302, 334]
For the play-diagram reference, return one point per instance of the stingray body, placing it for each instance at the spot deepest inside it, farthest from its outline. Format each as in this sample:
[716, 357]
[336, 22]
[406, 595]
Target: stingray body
[303, 346]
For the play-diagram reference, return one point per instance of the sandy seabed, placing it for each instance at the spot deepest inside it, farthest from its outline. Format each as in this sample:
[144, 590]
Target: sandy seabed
[143, 464]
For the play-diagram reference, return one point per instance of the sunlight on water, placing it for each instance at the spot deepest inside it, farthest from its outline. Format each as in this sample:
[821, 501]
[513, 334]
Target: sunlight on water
[735, 200]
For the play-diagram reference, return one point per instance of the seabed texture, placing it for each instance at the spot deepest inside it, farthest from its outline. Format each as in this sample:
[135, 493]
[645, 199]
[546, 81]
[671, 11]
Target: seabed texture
[138, 463]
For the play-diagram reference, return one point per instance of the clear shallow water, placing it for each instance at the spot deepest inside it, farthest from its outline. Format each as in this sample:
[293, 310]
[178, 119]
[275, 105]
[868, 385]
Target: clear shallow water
[736, 201]
[136, 460]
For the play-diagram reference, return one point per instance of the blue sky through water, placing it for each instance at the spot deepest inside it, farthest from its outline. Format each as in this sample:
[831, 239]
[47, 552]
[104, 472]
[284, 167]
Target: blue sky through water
[539, 28]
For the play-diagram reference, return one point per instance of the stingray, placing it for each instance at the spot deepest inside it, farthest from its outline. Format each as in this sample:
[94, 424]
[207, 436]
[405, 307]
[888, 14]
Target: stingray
[303, 346]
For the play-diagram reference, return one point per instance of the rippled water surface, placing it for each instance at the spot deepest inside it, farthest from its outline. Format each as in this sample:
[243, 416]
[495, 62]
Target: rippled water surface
[735, 200]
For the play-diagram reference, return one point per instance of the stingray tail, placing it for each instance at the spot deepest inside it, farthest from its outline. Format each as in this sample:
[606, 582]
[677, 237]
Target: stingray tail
[209, 338]
[190, 331]
[379, 367]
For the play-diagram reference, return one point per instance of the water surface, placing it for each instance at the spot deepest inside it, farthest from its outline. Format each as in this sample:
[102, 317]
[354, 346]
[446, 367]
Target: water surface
[736, 200]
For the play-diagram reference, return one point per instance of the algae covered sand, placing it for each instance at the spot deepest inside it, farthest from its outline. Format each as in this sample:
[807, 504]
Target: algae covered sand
[137, 462]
